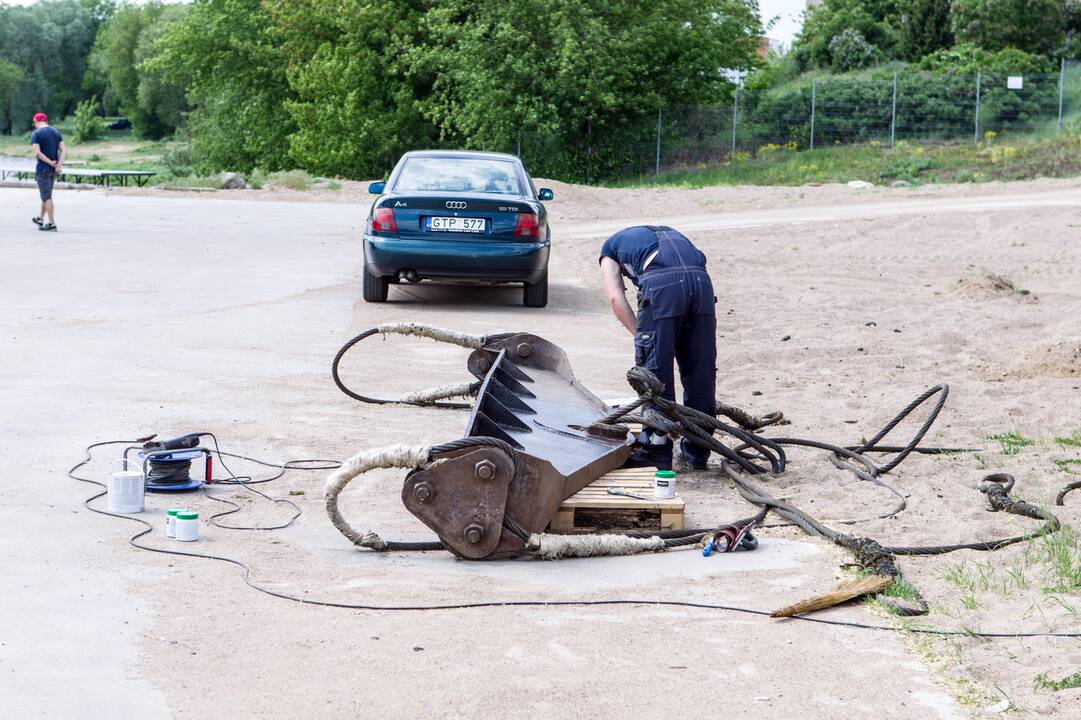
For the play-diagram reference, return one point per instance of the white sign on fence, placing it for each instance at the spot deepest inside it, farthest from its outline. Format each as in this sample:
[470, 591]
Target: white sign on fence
[1015, 82]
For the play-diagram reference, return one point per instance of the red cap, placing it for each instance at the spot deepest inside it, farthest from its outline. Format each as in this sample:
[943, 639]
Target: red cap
[41, 117]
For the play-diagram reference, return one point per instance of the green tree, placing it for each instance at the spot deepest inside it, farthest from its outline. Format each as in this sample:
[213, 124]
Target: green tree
[875, 22]
[49, 41]
[586, 76]
[88, 124]
[924, 27]
[124, 45]
[1035, 26]
[10, 75]
[357, 106]
[230, 59]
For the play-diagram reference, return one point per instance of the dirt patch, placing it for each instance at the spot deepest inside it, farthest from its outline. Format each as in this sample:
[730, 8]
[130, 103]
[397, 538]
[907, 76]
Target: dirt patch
[1061, 359]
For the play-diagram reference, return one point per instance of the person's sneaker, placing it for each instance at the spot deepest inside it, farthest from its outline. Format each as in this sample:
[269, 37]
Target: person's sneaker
[48, 227]
[37, 221]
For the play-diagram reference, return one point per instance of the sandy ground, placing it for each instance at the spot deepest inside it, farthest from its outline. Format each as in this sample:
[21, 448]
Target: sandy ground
[217, 312]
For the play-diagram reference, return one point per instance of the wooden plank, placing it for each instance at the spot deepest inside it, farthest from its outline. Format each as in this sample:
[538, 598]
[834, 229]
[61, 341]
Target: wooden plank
[563, 521]
[620, 510]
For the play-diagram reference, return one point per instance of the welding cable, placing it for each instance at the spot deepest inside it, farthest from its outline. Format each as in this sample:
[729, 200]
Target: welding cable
[1060, 499]
[134, 541]
[246, 481]
[423, 398]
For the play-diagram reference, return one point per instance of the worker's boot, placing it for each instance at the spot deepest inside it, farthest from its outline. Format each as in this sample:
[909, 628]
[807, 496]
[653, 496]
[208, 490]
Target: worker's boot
[653, 450]
[691, 456]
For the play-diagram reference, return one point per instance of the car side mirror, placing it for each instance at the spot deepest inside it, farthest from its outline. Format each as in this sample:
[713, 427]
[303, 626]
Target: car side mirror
[377, 188]
[545, 194]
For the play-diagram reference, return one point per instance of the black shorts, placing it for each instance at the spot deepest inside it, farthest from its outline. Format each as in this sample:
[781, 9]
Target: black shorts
[45, 185]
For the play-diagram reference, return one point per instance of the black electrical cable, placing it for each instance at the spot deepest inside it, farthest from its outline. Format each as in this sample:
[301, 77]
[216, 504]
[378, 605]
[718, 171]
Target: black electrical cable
[167, 472]
[246, 481]
[246, 576]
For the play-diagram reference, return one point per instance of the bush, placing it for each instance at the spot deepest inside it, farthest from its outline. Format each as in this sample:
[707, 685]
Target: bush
[851, 51]
[177, 158]
[967, 59]
[291, 179]
[257, 178]
[858, 107]
[88, 125]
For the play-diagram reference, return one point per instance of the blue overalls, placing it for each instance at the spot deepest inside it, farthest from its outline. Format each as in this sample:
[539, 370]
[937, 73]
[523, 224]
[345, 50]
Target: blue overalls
[677, 321]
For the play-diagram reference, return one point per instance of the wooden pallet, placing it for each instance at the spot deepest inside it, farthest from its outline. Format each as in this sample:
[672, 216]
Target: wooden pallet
[592, 508]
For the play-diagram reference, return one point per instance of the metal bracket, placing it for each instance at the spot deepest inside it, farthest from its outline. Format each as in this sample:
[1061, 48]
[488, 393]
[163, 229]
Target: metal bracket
[463, 498]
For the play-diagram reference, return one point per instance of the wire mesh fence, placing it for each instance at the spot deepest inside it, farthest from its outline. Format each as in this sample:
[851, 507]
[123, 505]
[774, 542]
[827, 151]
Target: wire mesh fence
[813, 113]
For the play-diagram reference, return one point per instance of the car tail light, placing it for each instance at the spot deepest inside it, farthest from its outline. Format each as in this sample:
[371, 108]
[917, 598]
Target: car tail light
[383, 221]
[527, 226]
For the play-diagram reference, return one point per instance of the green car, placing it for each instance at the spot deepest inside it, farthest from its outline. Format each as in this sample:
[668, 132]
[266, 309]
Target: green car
[458, 216]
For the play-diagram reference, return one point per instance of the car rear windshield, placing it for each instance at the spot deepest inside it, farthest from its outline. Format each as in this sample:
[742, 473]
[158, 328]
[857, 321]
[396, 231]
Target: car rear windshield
[459, 175]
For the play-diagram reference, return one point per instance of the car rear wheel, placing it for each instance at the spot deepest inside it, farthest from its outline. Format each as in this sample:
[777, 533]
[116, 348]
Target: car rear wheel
[375, 287]
[536, 294]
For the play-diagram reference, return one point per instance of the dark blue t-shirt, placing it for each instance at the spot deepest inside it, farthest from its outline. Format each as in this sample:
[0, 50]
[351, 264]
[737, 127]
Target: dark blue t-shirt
[48, 138]
[630, 248]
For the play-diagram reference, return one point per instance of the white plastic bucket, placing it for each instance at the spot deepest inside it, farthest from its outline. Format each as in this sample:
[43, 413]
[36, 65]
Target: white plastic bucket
[170, 521]
[125, 489]
[187, 526]
[664, 484]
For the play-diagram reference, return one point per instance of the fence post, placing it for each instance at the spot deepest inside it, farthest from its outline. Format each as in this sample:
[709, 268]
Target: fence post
[735, 118]
[657, 169]
[1061, 86]
[977, 135]
[814, 99]
[893, 113]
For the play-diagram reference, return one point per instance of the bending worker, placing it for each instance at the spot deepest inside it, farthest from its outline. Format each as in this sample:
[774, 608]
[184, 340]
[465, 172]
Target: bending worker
[676, 321]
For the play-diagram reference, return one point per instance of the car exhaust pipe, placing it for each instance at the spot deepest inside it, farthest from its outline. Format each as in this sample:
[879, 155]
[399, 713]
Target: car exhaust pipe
[410, 275]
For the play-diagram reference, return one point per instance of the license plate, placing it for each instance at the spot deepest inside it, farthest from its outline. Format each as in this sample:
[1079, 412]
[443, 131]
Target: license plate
[455, 224]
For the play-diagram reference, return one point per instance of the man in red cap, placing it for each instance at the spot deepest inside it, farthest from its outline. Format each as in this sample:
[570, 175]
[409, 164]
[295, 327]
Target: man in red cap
[49, 151]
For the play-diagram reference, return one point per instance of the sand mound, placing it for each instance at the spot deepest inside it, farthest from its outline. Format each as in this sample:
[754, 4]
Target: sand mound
[991, 285]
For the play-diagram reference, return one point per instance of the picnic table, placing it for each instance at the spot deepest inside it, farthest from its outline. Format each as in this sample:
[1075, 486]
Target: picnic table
[105, 178]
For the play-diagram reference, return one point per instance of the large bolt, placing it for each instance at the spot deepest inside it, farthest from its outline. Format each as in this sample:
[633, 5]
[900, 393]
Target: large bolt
[485, 470]
[474, 534]
[423, 492]
[484, 364]
[525, 350]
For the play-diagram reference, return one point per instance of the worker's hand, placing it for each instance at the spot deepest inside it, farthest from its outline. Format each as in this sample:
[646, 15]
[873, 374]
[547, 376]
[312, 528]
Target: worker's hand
[59, 168]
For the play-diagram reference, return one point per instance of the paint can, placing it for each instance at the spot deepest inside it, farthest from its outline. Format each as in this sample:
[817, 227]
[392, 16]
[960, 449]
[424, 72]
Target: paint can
[187, 526]
[170, 521]
[125, 489]
[664, 484]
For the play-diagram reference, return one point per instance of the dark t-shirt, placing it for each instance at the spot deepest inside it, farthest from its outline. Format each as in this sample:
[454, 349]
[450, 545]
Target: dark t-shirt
[48, 138]
[630, 248]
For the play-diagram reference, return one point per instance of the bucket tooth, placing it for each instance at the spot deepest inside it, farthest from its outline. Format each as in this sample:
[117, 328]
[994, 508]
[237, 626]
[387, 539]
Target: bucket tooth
[487, 427]
[516, 372]
[508, 398]
[504, 378]
[499, 413]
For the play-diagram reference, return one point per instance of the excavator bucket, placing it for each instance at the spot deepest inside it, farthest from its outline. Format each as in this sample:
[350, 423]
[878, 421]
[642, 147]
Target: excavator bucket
[530, 399]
